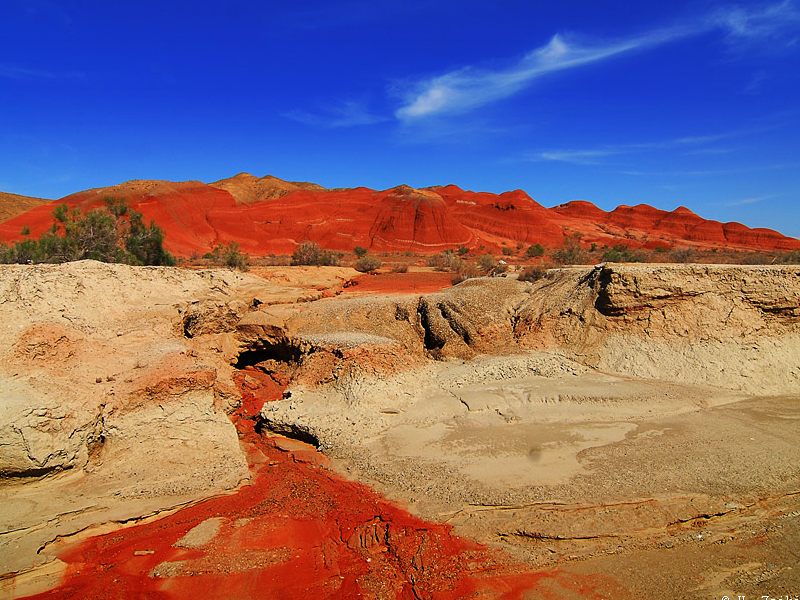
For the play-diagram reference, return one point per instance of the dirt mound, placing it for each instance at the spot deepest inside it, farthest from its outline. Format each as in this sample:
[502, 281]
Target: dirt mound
[248, 189]
[12, 205]
[270, 216]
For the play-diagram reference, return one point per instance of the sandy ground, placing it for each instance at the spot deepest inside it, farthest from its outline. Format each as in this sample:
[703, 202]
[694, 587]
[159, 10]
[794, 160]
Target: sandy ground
[677, 476]
[680, 489]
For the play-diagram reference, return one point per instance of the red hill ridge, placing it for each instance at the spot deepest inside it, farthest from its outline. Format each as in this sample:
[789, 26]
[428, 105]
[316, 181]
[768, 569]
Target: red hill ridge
[270, 216]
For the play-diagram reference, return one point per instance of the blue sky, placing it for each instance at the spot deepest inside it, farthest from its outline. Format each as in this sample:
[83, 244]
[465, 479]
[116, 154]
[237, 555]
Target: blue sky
[693, 103]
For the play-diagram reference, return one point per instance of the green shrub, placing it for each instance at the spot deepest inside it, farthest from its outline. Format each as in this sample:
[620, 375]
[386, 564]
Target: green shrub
[445, 261]
[113, 233]
[535, 250]
[621, 253]
[507, 251]
[229, 255]
[360, 251]
[400, 268]
[368, 264]
[571, 252]
[486, 262]
[790, 258]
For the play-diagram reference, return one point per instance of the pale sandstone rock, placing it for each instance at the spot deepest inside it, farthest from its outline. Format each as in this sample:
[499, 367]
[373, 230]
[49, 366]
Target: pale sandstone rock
[103, 388]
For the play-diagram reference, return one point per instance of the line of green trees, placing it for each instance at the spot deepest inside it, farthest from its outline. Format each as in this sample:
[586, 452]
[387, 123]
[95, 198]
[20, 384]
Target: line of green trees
[112, 233]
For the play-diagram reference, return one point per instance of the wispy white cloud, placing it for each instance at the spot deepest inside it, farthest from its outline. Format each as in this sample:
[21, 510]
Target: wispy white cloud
[470, 87]
[775, 23]
[576, 157]
[744, 201]
[594, 156]
[17, 72]
[711, 151]
[702, 172]
[344, 114]
[690, 145]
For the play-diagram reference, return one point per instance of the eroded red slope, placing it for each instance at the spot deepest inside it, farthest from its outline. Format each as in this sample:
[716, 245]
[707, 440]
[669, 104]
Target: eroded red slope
[643, 225]
[268, 215]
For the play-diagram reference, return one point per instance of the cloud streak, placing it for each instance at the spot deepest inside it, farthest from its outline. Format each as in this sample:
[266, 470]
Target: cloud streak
[691, 145]
[744, 201]
[468, 88]
[776, 23]
[16, 72]
[344, 114]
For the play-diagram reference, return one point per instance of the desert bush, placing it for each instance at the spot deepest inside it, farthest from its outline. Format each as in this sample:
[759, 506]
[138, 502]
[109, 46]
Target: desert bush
[682, 255]
[445, 261]
[113, 233]
[790, 258]
[462, 250]
[621, 253]
[571, 252]
[499, 269]
[230, 256]
[535, 250]
[310, 253]
[533, 273]
[756, 258]
[400, 268]
[360, 251]
[507, 251]
[368, 264]
[466, 271]
[486, 262]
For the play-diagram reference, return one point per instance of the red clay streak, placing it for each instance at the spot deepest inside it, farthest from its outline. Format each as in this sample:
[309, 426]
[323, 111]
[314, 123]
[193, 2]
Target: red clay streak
[298, 530]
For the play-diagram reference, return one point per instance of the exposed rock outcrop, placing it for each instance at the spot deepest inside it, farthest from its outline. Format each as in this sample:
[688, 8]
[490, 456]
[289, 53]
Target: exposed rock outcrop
[737, 327]
[105, 389]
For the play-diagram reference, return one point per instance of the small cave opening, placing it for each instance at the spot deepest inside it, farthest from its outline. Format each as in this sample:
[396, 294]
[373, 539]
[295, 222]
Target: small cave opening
[292, 431]
[281, 351]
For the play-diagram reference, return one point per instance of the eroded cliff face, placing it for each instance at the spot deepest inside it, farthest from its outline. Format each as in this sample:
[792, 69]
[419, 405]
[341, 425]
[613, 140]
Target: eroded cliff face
[101, 384]
[736, 327]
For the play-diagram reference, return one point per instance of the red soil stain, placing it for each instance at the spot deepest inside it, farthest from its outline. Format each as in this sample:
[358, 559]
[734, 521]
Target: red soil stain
[401, 283]
[300, 531]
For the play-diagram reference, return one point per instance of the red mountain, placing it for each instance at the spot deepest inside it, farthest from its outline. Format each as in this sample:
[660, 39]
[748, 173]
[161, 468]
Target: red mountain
[268, 215]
